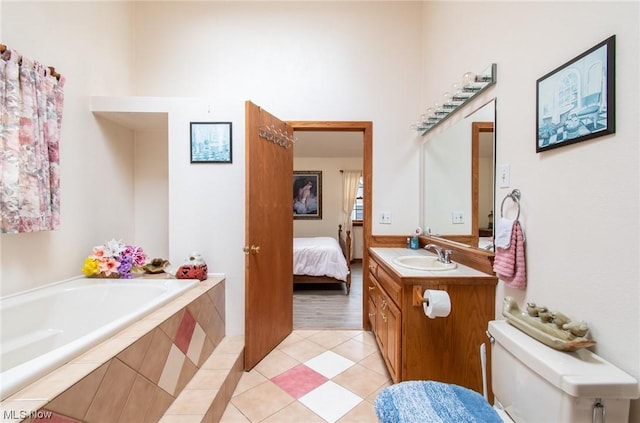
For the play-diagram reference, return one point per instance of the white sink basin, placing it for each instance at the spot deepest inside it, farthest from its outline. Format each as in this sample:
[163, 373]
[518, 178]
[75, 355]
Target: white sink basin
[423, 263]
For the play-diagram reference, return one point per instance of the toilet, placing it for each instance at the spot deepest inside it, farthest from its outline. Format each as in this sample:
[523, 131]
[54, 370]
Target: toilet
[532, 383]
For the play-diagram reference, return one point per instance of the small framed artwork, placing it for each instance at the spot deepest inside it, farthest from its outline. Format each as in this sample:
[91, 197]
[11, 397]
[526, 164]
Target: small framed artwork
[211, 142]
[307, 194]
[576, 101]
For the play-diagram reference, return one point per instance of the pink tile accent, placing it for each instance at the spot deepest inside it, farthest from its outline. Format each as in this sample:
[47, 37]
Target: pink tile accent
[51, 417]
[185, 331]
[299, 380]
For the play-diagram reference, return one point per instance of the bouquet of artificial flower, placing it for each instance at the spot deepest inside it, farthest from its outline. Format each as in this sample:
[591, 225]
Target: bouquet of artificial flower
[114, 259]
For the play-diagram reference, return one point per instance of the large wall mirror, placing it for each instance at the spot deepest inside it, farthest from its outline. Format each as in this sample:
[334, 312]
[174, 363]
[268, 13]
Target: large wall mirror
[458, 174]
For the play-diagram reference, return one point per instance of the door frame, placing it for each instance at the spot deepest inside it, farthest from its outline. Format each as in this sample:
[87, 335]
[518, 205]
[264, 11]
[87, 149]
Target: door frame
[476, 129]
[366, 127]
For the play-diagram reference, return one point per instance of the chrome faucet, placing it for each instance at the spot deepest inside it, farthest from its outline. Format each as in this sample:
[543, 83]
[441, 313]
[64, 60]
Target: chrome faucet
[444, 256]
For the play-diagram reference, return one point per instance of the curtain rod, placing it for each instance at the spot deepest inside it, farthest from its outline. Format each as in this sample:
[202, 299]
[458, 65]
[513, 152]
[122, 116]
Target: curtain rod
[55, 74]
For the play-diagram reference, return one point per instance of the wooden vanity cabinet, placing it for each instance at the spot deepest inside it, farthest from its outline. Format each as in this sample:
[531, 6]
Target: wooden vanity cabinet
[385, 319]
[416, 347]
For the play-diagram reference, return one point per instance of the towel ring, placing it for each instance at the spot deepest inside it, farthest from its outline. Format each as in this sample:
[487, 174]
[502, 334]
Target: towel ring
[515, 197]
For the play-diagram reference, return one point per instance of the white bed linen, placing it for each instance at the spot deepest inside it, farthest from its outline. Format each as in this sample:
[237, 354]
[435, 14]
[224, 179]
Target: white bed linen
[319, 256]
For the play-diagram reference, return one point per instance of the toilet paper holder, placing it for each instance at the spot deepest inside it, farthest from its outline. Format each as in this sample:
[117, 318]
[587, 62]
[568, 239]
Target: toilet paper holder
[418, 296]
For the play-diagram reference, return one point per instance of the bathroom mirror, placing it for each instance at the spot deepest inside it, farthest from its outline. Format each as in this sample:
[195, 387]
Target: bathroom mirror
[458, 173]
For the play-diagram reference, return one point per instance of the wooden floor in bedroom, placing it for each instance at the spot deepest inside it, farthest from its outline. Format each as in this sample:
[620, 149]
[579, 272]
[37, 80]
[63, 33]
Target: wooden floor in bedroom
[326, 306]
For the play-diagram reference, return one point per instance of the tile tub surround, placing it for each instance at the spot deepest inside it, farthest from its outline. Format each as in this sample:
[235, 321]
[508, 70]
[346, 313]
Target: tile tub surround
[45, 327]
[140, 370]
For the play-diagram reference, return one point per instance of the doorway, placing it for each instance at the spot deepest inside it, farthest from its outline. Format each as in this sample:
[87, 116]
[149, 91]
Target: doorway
[332, 132]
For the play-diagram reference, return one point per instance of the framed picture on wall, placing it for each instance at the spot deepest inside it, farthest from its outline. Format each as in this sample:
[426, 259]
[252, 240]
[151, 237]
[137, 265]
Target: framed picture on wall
[211, 142]
[307, 194]
[576, 101]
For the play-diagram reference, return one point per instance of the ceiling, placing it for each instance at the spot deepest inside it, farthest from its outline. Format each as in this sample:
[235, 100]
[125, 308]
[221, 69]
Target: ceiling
[328, 144]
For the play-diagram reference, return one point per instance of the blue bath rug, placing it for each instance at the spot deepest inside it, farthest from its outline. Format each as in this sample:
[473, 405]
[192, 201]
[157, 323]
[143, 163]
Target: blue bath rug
[433, 402]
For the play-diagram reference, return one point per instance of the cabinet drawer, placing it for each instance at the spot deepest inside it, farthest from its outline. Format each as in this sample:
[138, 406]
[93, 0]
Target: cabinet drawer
[391, 287]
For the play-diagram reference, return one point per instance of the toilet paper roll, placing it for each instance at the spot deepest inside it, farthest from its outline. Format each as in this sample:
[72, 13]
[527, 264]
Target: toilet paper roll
[436, 303]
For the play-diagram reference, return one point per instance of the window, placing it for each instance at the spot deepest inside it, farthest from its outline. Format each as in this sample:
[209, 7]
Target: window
[358, 206]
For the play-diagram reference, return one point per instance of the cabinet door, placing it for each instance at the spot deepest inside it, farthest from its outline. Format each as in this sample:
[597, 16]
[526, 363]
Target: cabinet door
[381, 321]
[372, 313]
[393, 327]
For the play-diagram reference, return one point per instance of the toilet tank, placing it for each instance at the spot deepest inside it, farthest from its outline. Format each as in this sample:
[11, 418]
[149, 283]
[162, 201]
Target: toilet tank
[537, 384]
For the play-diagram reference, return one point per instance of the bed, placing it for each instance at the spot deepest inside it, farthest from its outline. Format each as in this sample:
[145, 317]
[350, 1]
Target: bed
[323, 259]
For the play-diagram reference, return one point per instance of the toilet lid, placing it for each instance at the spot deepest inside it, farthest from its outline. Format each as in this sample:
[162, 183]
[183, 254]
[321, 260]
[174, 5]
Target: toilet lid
[434, 402]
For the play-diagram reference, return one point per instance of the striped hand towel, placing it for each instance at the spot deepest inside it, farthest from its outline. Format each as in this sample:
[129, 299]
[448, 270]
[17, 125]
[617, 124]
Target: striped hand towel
[509, 263]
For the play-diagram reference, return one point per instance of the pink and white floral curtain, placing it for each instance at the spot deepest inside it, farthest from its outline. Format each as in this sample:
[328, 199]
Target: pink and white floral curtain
[31, 103]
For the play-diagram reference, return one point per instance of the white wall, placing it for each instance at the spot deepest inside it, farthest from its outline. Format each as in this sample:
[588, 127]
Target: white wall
[299, 61]
[151, 185]
[90, 44]
[579, 202]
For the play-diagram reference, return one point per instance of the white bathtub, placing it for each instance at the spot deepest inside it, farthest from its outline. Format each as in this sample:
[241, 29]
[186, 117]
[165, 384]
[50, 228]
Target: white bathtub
[46, 327]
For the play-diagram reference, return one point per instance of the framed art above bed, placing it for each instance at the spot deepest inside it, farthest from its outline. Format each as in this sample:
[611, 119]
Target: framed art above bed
[307, 194]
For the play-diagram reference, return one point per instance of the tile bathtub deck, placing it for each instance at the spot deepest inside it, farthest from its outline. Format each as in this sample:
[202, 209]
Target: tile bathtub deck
[313, 376]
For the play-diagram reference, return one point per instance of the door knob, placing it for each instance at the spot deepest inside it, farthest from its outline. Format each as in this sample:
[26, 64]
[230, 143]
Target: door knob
[254, 249]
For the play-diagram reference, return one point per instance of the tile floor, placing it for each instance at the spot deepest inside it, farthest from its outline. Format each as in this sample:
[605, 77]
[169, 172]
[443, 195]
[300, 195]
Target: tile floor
[313, 376]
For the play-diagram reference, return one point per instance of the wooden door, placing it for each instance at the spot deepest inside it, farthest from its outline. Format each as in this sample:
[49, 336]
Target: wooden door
[268, 237]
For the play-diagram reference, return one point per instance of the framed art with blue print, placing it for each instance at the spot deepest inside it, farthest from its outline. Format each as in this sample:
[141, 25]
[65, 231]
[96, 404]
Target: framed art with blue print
[211, 142]
[576, 101]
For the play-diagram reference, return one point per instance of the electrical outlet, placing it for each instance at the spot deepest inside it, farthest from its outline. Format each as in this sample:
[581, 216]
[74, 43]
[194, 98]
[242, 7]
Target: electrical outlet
[457, 217]
[385, 217]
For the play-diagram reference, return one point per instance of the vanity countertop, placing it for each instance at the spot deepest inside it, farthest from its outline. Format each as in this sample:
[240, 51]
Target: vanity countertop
[387, 254]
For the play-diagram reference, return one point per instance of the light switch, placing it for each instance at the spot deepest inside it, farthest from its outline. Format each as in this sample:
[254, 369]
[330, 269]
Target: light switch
[385, 217]
[504, 176]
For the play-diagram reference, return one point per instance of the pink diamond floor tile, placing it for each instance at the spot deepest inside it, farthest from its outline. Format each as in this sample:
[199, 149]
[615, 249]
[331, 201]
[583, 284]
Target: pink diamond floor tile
[299, 380]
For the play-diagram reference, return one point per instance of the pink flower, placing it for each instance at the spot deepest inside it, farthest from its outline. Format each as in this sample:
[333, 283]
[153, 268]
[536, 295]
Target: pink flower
[98, 253]
[108, 265]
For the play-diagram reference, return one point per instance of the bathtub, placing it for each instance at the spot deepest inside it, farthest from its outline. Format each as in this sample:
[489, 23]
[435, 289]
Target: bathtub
[43, 328]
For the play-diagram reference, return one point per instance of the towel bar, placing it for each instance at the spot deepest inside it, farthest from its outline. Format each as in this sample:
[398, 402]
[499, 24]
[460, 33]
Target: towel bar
[515, 197]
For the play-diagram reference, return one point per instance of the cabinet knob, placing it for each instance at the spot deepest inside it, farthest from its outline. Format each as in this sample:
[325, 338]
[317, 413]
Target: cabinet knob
[372, 288]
